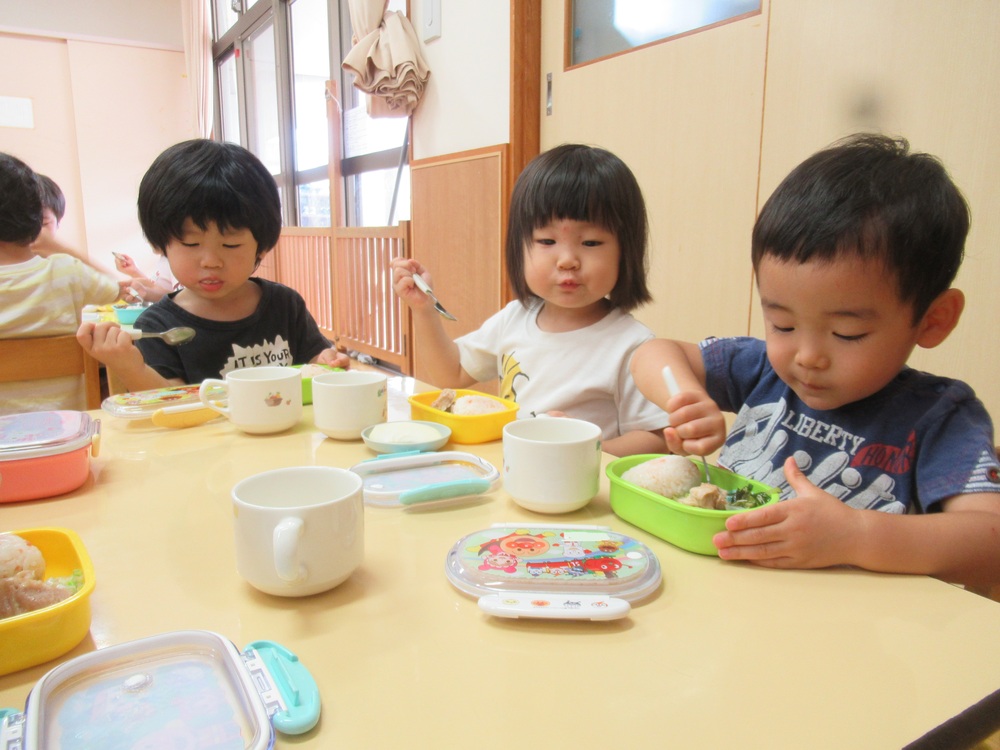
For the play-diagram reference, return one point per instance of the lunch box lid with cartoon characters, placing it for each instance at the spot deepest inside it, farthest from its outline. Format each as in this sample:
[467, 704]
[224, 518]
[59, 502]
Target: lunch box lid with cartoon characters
[181, 689]
[553, 571]
[142, 404]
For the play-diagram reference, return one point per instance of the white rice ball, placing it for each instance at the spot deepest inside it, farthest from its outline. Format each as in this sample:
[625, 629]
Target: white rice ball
[670, 476]
[17, 554]
[475, 405]
[311, 371]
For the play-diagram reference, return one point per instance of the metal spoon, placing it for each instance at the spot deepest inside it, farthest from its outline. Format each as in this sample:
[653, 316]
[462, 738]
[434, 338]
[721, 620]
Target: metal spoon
[174, 337]
[423, 287]
[671, 381]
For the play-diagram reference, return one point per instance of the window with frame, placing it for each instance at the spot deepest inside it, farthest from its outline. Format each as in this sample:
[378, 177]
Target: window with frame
[272, 61]
[604, 28]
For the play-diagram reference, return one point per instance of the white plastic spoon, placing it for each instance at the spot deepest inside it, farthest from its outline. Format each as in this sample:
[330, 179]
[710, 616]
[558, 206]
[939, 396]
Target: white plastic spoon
[674, 389]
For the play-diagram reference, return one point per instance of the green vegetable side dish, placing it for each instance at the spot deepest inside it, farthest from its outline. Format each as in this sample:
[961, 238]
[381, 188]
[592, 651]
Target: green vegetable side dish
[744, 497]
[73, 581]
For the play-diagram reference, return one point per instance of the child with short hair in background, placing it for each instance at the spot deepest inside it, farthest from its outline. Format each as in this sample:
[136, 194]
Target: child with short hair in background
[214, 211]
[39, 296]
[47, 243]
[576, 260]
[879, 465]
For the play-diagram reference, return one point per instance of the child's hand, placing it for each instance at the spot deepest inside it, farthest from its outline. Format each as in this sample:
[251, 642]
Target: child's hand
[332, 358]
[403, 270]
[697, 425]
[126, 265]
[108, 343]
[811, 530]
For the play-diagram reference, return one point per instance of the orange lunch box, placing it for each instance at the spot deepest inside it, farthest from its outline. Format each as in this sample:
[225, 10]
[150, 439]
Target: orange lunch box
[45, 453]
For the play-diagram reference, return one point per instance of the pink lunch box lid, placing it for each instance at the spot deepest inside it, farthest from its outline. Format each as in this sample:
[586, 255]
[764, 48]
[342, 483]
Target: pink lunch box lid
[45, 453]
[46, 433]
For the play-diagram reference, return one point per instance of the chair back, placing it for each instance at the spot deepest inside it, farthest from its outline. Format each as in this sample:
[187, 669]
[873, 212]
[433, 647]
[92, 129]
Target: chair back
[50, 357]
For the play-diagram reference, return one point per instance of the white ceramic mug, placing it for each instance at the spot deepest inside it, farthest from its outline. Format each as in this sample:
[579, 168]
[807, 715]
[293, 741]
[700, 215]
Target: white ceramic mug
[551, 464]
[344, 403]
[261, 400]
[300, 530]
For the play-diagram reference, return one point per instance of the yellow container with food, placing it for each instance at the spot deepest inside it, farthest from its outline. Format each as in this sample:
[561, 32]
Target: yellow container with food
[46, 565]
[667, 496]
[473, 417]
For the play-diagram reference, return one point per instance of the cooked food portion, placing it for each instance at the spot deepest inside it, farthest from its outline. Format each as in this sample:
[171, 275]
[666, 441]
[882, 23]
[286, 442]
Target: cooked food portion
[17, 555]
[403, 432]
[445, 400]
[705, 495]
[744, 497]
[311, 371]
[679, 479]
[670, 476]
[470, 405]
[23, 593]
[23, 587]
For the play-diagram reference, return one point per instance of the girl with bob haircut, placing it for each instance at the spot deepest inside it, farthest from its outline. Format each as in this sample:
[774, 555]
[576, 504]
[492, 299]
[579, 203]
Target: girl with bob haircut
[576, 259]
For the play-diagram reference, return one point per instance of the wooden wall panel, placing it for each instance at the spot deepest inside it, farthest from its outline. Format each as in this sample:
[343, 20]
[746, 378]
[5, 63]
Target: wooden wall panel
[457, 229]
[926, 71]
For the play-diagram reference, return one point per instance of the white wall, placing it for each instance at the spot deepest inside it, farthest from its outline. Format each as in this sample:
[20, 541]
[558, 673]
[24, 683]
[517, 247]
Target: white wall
[102, 110]
[149, 23]
[466, 104]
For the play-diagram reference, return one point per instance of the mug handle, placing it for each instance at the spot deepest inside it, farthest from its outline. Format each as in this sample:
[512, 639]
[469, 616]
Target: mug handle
[285, 541]
[208, 385]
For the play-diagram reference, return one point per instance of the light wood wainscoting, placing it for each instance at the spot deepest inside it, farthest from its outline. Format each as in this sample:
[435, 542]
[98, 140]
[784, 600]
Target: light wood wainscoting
[459, 214]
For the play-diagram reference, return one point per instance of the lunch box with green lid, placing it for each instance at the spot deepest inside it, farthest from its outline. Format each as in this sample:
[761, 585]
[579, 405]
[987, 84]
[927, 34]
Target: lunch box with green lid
[185, 689]
[45, 453]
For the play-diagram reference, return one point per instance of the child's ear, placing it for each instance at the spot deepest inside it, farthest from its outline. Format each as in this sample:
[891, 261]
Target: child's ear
[941, 318]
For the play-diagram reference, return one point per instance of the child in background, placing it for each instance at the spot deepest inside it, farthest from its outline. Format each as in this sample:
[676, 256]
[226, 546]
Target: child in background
[39, 296]
[854, 256]
[144, 288]
[576, 260]
[214, 211]
[53, 210]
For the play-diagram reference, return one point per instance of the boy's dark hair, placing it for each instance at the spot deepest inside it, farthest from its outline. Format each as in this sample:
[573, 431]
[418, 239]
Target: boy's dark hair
[867, 196]
[208, 181]
[52, 196]
[581, 183]
[20, 202]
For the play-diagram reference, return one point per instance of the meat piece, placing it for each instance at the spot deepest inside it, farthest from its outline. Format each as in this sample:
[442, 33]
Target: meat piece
[705, 495]
[445, 400]
[24, 593]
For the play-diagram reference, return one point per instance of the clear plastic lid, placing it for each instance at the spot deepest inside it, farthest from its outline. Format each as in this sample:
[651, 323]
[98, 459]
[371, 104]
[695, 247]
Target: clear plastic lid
[142, 404]
[183, 689]
[46, 433]
[410, 479]
[540, 559]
